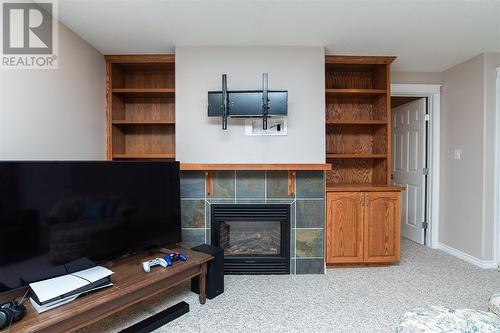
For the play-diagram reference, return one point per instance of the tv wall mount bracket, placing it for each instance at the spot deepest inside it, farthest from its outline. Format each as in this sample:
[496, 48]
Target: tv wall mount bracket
[247, 103]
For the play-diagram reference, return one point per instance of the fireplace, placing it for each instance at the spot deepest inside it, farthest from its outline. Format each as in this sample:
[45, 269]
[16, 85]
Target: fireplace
[255, 237]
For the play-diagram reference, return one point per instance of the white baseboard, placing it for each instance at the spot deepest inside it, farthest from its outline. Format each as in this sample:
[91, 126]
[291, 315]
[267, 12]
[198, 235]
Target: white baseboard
[485, 264]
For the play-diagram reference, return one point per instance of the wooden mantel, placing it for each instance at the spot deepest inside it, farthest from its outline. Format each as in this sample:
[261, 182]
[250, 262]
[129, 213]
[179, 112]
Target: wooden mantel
[253, 166]
[291, 168]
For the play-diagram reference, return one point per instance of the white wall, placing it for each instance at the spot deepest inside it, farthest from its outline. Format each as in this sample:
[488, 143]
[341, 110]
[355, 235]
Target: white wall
[300, 70]
[55, 114]
[467, 185]
[417, 77]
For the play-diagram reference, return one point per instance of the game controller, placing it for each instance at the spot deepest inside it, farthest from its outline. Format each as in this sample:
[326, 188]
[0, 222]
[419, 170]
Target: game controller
[155, 262]
[174, 256]
[168, 260]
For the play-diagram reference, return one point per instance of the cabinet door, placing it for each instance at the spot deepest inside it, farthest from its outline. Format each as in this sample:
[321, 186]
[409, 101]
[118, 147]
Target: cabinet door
[344, 227]
[382, 216]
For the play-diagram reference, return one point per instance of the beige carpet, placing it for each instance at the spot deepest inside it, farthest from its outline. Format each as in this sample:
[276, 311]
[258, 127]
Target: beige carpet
[342, 300]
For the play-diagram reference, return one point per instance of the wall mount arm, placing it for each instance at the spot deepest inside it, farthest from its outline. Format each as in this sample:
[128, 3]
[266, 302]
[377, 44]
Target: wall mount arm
[265, 101]
[225, 101]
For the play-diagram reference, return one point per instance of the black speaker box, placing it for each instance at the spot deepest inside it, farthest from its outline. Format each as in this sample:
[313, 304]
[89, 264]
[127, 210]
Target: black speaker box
[215, 271]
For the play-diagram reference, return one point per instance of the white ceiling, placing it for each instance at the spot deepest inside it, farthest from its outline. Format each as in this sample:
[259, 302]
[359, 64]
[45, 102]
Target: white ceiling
[427, 36]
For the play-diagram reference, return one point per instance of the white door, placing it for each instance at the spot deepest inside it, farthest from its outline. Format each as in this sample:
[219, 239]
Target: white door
[409, 130]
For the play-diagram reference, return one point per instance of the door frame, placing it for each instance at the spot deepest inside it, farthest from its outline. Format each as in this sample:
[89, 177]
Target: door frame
[496, 227]
[433, 94]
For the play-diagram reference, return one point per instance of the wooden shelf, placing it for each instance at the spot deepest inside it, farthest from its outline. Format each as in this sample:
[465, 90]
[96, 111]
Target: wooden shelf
[144, 92]
[359, 60]
[356, 92]
[356, 122]
[141, 59]
[363, 187]
[143, 122]
[332, 156]
[143, 156]
[140, 111]
[251, 166]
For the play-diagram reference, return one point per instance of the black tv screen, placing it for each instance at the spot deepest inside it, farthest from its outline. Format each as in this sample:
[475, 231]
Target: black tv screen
[52, 213]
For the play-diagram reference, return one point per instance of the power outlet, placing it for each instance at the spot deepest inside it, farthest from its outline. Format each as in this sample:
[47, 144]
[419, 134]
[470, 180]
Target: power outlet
[275, 126]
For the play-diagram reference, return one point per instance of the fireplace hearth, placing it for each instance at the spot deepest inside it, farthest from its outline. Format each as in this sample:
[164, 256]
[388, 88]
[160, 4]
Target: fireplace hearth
[255, 237]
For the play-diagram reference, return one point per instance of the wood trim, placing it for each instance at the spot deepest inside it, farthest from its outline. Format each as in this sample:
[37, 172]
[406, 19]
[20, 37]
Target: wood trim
[139, 156]
[109, 111]
[356, 156]
[389, 125]
[291, 182]
[251, 166]
[356, 122]
[351, 59]
[364, 188]
[144, 58]
[208, 182]
[354, 92]
[143, 122]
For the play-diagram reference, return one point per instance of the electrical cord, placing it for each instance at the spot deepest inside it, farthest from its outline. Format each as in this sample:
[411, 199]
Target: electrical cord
[21, 302]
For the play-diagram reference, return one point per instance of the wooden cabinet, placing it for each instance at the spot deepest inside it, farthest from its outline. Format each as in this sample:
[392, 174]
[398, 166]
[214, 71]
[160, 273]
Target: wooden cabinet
[381, 223]
[344, 240]
[363, 227]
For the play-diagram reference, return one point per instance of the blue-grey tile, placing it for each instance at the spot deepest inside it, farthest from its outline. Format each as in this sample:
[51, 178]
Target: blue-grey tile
[292, 243]
[192, 237]
[193, 213]
[309, 243]
[192, 184]
[277, 184]
[310, 266]
[310, 214]
[250, 184]
[208, 215]
[255, 201]
[280, 201]
[215, 201]
[310, 184]
[222, 184]
[292, 266]
[208, 236]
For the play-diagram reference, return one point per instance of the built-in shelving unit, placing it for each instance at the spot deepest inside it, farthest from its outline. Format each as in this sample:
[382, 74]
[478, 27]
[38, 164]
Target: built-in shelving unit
[140, 93]
[358, 120]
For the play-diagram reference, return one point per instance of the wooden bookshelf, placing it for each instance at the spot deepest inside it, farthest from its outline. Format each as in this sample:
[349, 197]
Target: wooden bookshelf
[358, 122]
[363, 209]
[140, 91]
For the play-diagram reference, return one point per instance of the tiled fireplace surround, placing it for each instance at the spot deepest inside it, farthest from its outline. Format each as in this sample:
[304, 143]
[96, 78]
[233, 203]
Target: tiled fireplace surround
[307, 208]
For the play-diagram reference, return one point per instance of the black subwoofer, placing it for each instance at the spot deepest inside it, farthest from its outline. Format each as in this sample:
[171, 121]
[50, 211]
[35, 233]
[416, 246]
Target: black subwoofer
[215, 271]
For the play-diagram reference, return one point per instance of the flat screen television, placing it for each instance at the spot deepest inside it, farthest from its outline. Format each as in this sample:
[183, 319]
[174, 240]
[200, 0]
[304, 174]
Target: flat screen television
[52, 213]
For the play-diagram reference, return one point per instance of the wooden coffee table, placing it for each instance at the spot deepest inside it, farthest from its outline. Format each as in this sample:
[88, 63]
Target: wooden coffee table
[131, 285]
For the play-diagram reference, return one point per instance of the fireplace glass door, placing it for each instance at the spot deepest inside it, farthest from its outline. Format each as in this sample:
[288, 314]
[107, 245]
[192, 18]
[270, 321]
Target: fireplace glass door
[250, 238]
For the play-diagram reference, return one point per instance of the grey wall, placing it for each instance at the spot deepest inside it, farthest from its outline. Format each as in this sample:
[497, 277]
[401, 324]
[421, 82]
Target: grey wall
[55, 114]
[467, 123]
[300, 70]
